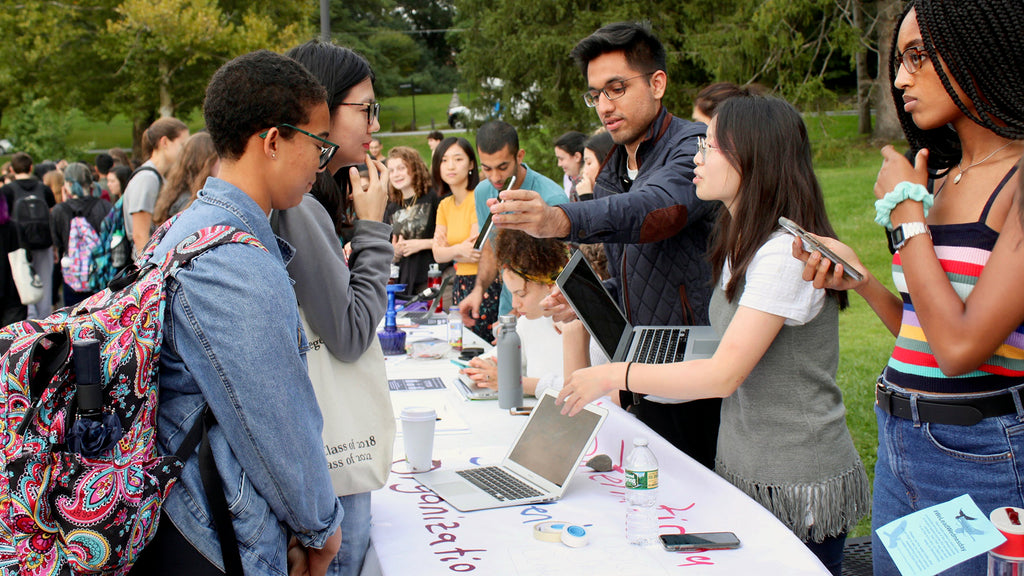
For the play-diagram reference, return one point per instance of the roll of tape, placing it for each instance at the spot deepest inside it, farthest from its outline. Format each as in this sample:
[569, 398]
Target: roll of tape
[1009, 521]
[548, 531]
[575, 536]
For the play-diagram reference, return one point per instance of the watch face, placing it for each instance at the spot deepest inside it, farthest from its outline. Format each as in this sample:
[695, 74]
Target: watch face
[898, 237]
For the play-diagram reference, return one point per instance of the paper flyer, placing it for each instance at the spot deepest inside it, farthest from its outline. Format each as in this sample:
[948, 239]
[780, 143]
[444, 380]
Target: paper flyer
[939, 537]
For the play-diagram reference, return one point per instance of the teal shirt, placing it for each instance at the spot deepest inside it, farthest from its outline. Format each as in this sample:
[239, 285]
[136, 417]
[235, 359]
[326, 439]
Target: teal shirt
[549, 191]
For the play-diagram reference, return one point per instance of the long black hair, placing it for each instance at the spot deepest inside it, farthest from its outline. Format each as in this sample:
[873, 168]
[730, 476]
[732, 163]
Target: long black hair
[440, 185]
[339, 69]
[977, 44]
[766, 141]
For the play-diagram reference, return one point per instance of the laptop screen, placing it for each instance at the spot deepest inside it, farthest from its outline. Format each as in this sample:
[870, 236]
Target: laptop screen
[550, 444]
[593, 304]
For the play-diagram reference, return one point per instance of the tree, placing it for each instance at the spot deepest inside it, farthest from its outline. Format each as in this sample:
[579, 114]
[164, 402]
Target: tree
[136, 57]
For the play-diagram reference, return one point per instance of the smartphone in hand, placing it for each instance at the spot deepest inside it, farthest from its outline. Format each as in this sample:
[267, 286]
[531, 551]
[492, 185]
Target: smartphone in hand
[812, 244]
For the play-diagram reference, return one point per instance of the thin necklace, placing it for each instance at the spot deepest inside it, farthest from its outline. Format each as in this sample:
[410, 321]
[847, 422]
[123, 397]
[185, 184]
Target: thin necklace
[982, 161]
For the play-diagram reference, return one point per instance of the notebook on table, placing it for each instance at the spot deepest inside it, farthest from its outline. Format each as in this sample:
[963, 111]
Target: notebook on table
[537, 467]
[620, 340]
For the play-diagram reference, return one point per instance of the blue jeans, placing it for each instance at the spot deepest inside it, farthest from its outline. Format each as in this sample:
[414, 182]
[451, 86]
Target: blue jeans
[355, 535]
[921, 464]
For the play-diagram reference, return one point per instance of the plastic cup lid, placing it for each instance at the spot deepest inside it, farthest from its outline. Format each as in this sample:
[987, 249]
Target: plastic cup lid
[418, 413]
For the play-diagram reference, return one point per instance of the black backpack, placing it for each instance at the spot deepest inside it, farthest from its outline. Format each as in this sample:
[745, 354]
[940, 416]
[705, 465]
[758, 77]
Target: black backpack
[31, 216]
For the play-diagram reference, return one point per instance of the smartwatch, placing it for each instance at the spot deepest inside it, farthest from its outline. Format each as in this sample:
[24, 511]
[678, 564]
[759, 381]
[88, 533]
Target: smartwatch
[899, 235]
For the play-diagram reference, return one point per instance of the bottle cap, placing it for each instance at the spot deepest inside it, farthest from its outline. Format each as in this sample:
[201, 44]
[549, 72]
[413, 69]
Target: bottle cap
[1009, 521]
[640, 441]
[507, 319]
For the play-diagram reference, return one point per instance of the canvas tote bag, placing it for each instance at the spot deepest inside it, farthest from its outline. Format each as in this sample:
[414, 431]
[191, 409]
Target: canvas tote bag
[30, 287]
[359, 424]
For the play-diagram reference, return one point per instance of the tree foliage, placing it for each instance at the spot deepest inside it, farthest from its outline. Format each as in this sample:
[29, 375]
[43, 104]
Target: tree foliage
[136, 57]
[802, 50]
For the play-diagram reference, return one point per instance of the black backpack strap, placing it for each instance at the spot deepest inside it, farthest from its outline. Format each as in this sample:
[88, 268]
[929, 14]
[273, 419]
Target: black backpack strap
[199, 435]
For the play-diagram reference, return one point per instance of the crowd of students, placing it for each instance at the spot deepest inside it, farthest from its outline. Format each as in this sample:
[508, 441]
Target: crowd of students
[684, 212]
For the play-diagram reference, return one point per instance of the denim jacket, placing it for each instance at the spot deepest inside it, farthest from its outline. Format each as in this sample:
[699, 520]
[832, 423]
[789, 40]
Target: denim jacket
[232, 339]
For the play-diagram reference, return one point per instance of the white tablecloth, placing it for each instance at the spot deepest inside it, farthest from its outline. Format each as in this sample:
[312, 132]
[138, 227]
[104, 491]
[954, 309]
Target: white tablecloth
[415, 532]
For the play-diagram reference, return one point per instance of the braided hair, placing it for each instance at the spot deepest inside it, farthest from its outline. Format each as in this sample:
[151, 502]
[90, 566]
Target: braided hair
[978, 44]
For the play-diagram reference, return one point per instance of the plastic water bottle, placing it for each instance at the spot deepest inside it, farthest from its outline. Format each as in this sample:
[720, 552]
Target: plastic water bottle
[434, 281]
[1007, 559]
[641, 494]
[510, 364]
[455, 328]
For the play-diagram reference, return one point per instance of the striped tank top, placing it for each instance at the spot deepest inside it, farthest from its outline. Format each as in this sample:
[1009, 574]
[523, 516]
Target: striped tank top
[963, 250]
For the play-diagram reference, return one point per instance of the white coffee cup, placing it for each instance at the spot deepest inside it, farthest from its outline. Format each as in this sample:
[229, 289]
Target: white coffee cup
[418, 437]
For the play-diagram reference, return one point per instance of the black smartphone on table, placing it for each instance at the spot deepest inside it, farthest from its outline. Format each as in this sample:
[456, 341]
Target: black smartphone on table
[699, 541]
[812, 244]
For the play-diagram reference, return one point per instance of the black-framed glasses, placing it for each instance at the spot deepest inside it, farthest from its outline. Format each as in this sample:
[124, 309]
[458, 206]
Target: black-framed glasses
[703, 147]
[612, 90]
[372, 109]
[326, 152]
[913, 58]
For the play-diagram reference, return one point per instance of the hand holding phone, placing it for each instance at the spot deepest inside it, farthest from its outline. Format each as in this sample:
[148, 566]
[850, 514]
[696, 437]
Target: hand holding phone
[488, 225]
[813, 244]
[699, 541]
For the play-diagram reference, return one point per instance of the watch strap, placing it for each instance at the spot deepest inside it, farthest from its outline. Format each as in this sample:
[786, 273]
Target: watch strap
[899, 235]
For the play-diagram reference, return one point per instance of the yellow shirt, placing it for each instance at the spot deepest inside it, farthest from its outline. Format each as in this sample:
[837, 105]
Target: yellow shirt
[460, 221]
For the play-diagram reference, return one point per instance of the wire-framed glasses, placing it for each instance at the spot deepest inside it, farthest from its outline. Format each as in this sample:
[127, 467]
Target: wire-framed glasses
[612, 90]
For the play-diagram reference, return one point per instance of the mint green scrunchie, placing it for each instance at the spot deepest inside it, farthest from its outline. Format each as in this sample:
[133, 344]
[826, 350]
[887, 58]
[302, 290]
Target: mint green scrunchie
[902, 191]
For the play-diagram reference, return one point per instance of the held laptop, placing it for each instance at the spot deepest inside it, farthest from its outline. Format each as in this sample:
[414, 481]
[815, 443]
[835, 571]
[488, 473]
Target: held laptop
[537, 468]
[620, 340]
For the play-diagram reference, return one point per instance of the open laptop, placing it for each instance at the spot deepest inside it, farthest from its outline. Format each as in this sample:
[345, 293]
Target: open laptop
[537, 468]
[621, 341]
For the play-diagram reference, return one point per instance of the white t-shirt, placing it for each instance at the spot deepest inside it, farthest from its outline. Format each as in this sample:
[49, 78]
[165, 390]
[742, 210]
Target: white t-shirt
[775, 284]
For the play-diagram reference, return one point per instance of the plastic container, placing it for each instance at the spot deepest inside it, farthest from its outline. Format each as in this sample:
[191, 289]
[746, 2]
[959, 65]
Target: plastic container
[510, 364]
[1007, 559]
[455, 328]
[641, 494]
[392, 340]
[434, 281]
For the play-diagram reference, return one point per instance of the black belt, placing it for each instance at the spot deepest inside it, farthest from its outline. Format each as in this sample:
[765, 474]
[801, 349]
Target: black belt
[954, 411]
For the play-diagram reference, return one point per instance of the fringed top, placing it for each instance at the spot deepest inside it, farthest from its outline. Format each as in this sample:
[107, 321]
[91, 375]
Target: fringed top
[783, 438]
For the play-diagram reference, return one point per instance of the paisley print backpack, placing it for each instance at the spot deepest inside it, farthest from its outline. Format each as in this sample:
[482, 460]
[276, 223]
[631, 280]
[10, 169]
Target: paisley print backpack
[68, 507]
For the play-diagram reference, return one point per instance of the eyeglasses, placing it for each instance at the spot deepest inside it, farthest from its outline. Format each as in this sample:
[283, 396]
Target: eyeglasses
[703, 147]
[612, 90]
[372, 109]
[326, 152]
[912, 59]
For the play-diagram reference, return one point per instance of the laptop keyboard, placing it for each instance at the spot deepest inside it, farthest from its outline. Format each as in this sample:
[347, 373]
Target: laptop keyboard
[661, 346]
[498, 483]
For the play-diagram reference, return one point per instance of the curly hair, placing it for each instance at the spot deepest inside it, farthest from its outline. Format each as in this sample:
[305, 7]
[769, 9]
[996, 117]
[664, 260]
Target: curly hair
[530, 257]
[254, 92]
[978, 45]
[417, 172]
[187, 175]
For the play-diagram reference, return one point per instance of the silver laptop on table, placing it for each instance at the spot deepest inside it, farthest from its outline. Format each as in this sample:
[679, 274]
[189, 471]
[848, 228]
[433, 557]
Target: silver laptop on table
[620, 340]
[537, 468]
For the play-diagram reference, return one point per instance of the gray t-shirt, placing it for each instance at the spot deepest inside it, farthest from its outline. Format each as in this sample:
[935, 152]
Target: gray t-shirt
[140, 195]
